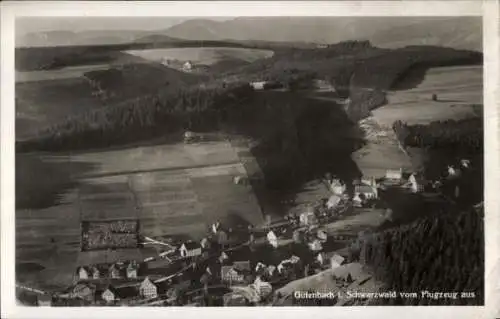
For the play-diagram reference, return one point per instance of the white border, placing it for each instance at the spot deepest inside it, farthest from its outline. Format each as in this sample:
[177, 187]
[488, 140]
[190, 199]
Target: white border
[488, 9]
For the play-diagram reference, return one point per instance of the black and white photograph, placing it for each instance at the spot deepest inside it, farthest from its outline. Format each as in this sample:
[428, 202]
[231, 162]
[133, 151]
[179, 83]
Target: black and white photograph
[255, 161]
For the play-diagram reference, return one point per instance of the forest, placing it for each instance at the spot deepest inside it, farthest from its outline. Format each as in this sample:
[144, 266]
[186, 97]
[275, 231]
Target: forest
[443, 253]
[465, 134]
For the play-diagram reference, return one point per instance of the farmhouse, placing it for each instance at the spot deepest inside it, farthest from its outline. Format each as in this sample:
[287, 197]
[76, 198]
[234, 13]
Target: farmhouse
[190, 249]
[148, 289]
[337, 187]
[114, 271]
[263, 288]
[229, 274]
[96, 273]
[132, 270]
[272, 239]
[109, 295]
[83, 291]
[392, 174]
[308, 218]
[187, 66]
[416, 182]
[82, 273]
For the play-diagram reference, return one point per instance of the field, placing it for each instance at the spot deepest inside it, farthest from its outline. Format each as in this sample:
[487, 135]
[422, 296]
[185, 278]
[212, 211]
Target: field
[457, 88]
[171, 189]
[206, 56]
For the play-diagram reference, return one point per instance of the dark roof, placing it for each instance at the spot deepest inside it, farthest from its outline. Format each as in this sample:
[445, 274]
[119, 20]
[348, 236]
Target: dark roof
[192, 245]
[45, 297]
[242, 265]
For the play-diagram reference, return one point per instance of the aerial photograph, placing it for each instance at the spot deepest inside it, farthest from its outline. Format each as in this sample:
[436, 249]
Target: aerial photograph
[249, 161]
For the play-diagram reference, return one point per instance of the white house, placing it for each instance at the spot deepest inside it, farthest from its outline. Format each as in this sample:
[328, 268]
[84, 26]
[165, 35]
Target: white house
[394, 174]
[223, 257]
[416, 183]
[333, 201]
[263, 288]
[148, 289]
[132, 270]
[308, 218]
[109, 295]
[258, 85]
[83, 273]
[336, 261]
[187, 66]
[190, 249]
[229, 274]
[315, 245]
[272, 239]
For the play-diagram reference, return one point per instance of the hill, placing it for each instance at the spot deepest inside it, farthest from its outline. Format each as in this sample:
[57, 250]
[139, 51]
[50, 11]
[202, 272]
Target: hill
[461, 33]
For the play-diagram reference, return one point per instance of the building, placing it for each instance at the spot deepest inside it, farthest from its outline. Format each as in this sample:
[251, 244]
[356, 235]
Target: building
[44, 300]
[109, 295]
[82, 273]
[321, 258]
[229, 274]
[84, 292]
[223, 257]
[392, 174]
[272, 239]
[263, 288]
[96, 273]
[315, 245]
[258, 85]
[205, 243]
[114, 271]
[190, 249]
[132, 270]
[187, 66]
[234, 300]
[322, 235]
[333, 202]
[336, 261]
[148, 289]
[416, 183]
[364, 192]
[337, 187]
[308, 218]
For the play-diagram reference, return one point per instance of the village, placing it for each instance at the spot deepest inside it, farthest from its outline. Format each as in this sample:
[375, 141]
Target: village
[244, 266]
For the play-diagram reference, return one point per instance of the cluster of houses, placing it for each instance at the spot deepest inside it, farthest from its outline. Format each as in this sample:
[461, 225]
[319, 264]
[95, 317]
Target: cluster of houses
[116, 270]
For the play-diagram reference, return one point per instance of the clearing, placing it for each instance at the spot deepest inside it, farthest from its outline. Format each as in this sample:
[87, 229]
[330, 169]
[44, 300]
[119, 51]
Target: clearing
[457, 89]
[206, 56]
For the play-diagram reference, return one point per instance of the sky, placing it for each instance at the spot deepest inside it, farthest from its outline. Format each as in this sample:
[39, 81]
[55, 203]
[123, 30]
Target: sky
[41, 24]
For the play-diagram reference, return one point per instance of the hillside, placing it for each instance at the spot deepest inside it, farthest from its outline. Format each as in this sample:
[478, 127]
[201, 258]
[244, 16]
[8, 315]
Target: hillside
[442, 253]
[462, 33]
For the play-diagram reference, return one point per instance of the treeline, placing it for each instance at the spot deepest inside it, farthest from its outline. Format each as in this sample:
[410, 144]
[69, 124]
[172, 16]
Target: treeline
[465, 134]
[439, 254]
[151, 116]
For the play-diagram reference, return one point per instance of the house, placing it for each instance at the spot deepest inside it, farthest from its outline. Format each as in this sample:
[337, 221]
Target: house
[465, 163]
[229, 274]
[148, 289]
[272, 239]
[205, 243]
[190, 249]
[416, 183]
[260, 266]
[187, 66]
[83, 273]
[223, 257]
[263, 288]
[215, 227]
[321, 258]
[114, 271]
[132, 270]
[363, 192]
[96, 273]
[322, 235]
[333, 202]
[271, 269]
[392, 174]
[109, 295]
[258, 85]
[315, 245]
[222, 238]
[83, 291]
[337, 187]
[308, 218]
[336, 261]
[44, 300]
